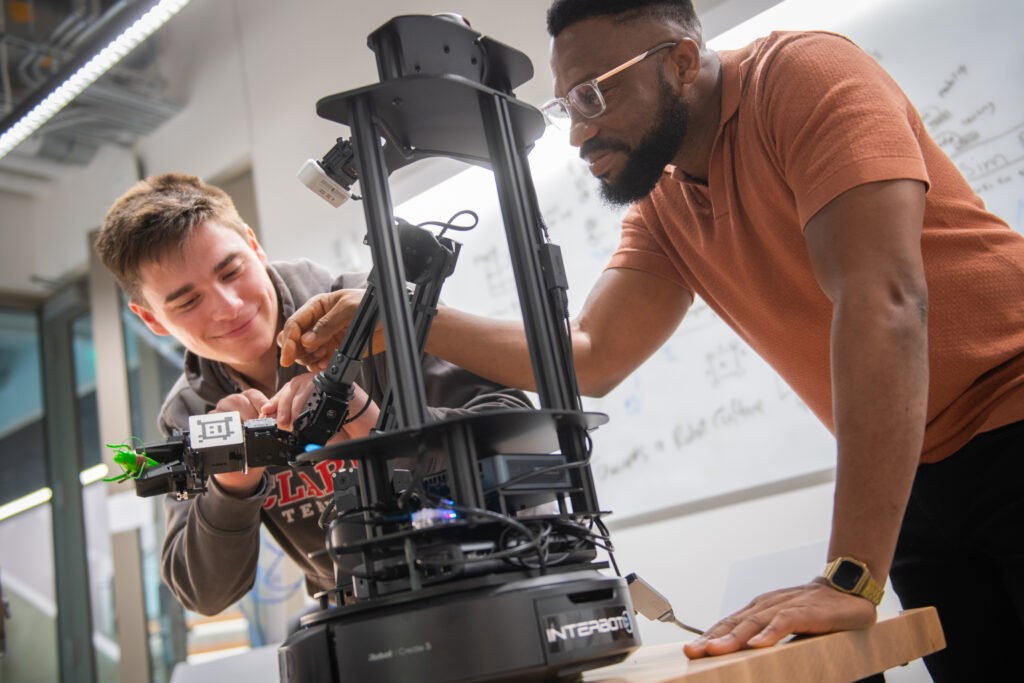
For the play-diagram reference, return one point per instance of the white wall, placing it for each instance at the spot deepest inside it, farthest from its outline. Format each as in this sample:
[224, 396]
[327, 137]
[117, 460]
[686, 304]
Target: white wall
[45, 235]
[17, 221]
[76, 205]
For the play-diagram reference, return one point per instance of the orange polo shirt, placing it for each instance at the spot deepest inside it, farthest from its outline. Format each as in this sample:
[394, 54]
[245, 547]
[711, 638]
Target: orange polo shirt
[805, 117]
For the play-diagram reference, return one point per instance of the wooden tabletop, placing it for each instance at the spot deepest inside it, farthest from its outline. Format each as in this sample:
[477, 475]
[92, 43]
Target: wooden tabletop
[831, 658]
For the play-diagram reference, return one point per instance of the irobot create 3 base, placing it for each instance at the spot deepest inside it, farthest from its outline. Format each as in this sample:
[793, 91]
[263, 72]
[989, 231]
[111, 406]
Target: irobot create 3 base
[534, 629]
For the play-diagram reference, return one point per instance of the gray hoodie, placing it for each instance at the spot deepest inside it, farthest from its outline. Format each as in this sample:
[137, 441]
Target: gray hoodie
[212, 542]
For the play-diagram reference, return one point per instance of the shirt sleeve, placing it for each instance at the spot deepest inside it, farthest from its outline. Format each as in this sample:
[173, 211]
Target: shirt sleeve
[639, 250]
[211, 548]
[834, 119]
[211, 543]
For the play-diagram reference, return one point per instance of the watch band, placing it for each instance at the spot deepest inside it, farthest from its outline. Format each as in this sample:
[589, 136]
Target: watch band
[852, 576]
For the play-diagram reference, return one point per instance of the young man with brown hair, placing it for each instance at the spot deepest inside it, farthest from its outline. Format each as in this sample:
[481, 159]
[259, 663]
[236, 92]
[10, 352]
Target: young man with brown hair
[194, 270]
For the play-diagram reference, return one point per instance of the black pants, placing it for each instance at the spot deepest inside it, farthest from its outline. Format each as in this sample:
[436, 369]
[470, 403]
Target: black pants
[961, 549]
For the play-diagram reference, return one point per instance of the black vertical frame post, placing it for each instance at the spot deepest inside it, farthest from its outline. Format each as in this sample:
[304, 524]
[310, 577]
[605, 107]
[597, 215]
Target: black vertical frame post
[405, 373]
[544, 326]
[63, 452]
[403, 358]
[519, 212]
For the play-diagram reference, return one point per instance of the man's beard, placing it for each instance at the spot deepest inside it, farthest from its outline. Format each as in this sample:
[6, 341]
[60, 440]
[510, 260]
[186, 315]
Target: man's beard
[645, 163]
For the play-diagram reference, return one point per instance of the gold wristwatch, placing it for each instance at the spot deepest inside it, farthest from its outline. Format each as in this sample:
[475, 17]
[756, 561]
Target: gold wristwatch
[852, 576]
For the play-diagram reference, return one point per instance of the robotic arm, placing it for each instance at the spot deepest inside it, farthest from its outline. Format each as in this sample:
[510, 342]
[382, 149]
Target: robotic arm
[222, 442]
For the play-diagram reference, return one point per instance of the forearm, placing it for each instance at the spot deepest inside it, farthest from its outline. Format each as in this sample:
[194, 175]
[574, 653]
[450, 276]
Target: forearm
[626, 317]
[211, 549]
[495, 349]
[880, 387]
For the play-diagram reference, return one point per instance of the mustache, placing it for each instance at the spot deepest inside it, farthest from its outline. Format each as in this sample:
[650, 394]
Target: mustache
[595, 144]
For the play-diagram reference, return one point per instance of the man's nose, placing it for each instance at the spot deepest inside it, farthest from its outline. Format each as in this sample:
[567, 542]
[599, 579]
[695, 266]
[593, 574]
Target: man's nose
[229, 303]
[581, 130]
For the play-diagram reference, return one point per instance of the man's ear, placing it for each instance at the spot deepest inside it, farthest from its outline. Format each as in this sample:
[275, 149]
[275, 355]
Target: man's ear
[686, 59]
[250, 237]
[147, 317]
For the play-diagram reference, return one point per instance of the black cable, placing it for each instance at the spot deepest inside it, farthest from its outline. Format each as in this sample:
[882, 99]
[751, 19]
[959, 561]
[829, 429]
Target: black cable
[584, 537]
[322, 522]
[563, 310]
[580, 464]
[349, 517]
[362, 410]
[416, 478]
[609, 548]
[450, 223]
[373, 379]
[532, 540]
[543, 559]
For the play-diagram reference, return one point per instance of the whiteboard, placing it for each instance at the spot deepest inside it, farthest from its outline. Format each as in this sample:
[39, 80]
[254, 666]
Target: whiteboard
[705, 416]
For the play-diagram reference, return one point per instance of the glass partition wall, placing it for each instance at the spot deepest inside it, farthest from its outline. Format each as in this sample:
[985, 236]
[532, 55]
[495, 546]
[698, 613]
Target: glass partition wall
[26, 536]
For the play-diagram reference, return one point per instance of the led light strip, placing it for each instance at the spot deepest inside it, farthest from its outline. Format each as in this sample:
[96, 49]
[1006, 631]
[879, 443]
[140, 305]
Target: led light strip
[87, 476]
[100, 63]
[92, 474]
[25, 503]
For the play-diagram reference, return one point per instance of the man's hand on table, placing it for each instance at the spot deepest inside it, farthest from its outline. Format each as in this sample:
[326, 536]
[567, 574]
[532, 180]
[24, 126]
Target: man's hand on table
[813, 608]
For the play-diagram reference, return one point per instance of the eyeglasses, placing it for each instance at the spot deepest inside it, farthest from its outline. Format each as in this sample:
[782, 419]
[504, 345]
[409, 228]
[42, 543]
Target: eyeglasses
[586, 98]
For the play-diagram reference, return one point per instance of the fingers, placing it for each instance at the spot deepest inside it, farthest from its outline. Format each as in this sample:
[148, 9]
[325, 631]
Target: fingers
[282, 408]
[301, 321]
[288, 403]
[288, 346]
[316, 359]
[312, 333]
[729, 635]
[304, 326]
[247, 403]
[288, 340]
[269, 408]
[299, 399]
[333, 313]
[768, 619]
[734, 632]
[783, 625]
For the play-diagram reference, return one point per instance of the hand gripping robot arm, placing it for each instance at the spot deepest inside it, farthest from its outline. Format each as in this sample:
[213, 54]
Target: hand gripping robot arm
[222, 442]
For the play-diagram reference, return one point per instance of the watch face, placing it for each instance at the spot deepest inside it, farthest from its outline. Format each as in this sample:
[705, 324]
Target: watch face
[847, 575]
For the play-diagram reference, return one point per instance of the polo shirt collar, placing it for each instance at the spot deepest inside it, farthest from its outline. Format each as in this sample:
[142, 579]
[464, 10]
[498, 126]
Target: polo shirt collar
[730, 61]
[730, 74]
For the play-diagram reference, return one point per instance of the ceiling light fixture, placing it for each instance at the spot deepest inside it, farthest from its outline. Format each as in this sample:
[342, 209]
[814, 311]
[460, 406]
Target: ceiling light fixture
[25, 503]
[76, 76]
[92, 474]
